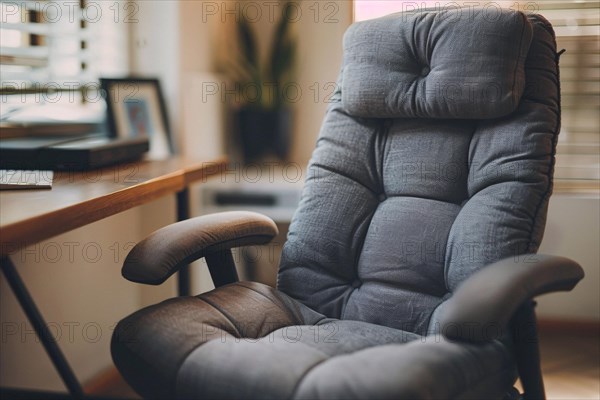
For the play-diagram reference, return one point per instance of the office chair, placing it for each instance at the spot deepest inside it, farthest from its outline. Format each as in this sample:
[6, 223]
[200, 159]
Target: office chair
[409, 268]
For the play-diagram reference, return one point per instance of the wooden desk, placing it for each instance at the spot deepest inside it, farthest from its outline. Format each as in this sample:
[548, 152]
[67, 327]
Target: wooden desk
[80, 198]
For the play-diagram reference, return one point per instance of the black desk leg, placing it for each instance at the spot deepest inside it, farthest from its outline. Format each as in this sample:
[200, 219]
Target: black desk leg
[183, 213]
[41, 328]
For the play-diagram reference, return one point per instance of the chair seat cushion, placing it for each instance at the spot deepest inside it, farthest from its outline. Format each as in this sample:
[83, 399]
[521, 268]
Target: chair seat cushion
[248, 340]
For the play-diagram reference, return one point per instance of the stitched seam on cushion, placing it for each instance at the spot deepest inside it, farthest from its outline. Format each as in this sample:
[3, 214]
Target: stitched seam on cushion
[334, 171]
[387, 126]
[237, 331]
[334, 272]
[545, 198]
[469, 197]
[294, 318]
[345, 304]
[368, 220]
[341, 355]
[413, 288]
[309, 370]
[413, 46]
[329, 357]
[186, 356]
[173, 388]
[414, 196]
[525, 22]
[383, 129]
[301, 379]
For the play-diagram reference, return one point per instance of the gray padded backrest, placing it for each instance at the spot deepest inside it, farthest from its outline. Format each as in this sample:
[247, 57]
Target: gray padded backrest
[412, 187]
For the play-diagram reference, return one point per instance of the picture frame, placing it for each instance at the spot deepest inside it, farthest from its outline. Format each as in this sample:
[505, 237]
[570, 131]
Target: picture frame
[136, 107]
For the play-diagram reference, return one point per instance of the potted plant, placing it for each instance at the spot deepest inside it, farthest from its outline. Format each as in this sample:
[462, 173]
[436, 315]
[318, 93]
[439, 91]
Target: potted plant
[264, 115]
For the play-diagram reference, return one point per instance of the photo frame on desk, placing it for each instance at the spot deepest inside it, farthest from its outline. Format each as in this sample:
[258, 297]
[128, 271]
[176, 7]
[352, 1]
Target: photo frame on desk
[136, 107]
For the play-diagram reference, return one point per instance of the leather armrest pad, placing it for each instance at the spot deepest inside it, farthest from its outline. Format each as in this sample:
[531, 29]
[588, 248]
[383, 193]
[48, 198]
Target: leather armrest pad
[165, 251]
[491, 296]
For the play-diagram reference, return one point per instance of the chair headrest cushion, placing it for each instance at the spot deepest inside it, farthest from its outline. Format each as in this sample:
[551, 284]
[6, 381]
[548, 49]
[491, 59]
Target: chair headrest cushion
[451, 63]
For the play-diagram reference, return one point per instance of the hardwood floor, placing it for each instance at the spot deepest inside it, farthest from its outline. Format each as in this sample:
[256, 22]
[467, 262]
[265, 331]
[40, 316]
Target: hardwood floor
[570, 364]
[110, 384]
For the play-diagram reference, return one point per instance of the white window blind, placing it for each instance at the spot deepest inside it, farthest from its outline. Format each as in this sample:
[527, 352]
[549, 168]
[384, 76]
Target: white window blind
[577, 28]
[60, 46]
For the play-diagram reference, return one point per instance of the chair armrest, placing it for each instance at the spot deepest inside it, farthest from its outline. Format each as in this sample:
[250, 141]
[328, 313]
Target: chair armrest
[165, 251]
[484, 304]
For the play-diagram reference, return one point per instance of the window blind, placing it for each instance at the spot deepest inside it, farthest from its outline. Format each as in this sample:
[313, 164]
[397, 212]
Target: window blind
[577, 28]
[54, 46]
[43, 44]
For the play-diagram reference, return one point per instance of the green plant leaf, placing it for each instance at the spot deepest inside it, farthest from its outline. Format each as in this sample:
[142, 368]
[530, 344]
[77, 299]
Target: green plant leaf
[288, 55]
[247, 42]
[278, 39]
[246, 69]
[277, 62]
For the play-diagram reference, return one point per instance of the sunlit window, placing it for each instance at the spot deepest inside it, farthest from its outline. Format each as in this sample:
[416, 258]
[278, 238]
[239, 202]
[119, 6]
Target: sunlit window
[59, 46]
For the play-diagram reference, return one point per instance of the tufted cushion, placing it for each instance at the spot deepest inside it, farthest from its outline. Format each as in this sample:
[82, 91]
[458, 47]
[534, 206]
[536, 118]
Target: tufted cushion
[457, 63]
[150, 345]
[396, 213]
[236, 342]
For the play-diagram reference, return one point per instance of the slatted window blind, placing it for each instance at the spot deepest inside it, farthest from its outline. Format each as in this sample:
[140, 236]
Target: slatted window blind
[577, 29]
[59, 46]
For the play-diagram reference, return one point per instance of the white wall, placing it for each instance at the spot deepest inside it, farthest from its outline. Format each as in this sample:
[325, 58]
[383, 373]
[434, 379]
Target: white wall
[573, 230]
[154, 50]
[208, 42]
[75, 279]
[319, 60]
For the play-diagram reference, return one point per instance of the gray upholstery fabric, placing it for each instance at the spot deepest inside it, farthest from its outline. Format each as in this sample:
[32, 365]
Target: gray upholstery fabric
[150, 345]
[247, 340]
[274, 366]
[408, 194]
[396, 213]
[436, 64]
[431, 368]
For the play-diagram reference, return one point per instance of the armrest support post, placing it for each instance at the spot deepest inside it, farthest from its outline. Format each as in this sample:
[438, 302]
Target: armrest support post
[169, 249]
[222, 268]
[501, 296]
[527, 351]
